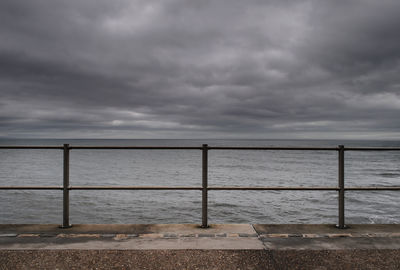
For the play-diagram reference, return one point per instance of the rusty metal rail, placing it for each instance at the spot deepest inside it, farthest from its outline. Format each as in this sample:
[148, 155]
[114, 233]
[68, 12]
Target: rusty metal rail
[204, 188]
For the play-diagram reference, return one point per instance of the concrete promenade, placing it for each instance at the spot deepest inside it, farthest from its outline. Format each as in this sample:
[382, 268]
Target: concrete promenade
[186, 246]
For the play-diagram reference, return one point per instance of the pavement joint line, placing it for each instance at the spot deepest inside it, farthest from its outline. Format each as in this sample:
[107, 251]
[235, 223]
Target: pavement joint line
[47, 235]
[78, 235]
[122, 236]
[125, 236]
[170, 235]
[248, 235]
[187, 235]
[108, 235]
[205, 235]
[252, 225]
[8, 235]
[150, 235]
[337, 235]
[295, 235]
[28, 235]
[330, 235]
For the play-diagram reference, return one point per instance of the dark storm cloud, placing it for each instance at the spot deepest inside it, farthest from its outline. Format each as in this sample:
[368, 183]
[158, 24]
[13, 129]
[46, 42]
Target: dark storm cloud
[179, 68]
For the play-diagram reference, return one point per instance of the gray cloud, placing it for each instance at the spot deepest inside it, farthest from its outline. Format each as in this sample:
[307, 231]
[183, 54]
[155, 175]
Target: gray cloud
[182, 69]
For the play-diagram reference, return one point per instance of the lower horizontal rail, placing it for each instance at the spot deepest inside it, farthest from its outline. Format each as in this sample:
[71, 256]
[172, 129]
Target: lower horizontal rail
[132, 188]
[194, 188]
[271, 188]
[30, 147]
[372, 188]
[136, 147]
[272, 148]
[372, 149]
[32, 187]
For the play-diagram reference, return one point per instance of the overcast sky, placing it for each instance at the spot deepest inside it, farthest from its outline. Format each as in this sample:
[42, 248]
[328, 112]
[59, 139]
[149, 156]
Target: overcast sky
[200, 69]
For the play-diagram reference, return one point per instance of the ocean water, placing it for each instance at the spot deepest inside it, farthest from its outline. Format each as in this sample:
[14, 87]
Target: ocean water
[183, 168]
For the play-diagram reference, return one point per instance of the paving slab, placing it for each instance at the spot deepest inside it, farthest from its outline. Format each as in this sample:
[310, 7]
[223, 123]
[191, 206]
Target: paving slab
[345, 243]
[316, 229]
[135, 244]
[128, 228]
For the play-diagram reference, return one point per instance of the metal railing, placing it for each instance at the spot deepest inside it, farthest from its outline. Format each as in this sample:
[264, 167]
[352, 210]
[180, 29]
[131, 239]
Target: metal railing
[204, 188]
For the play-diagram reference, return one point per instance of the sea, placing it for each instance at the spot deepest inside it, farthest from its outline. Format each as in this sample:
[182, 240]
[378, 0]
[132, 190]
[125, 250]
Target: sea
[24, 167]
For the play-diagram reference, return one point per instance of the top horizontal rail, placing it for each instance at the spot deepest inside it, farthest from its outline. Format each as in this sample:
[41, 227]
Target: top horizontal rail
[30, 147]
[200, 148]
[271, 148]
[102, 147]
[139, 147]
[372, 148]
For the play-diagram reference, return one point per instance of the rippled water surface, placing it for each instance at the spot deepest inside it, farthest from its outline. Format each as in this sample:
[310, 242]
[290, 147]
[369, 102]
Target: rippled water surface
[183, 168]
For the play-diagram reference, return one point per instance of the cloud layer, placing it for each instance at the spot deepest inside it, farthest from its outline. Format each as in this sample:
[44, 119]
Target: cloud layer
[221, 68]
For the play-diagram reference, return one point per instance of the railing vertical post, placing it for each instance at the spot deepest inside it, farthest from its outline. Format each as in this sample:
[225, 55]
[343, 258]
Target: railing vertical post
[66, 223]
[341, 224]
[204, 200]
